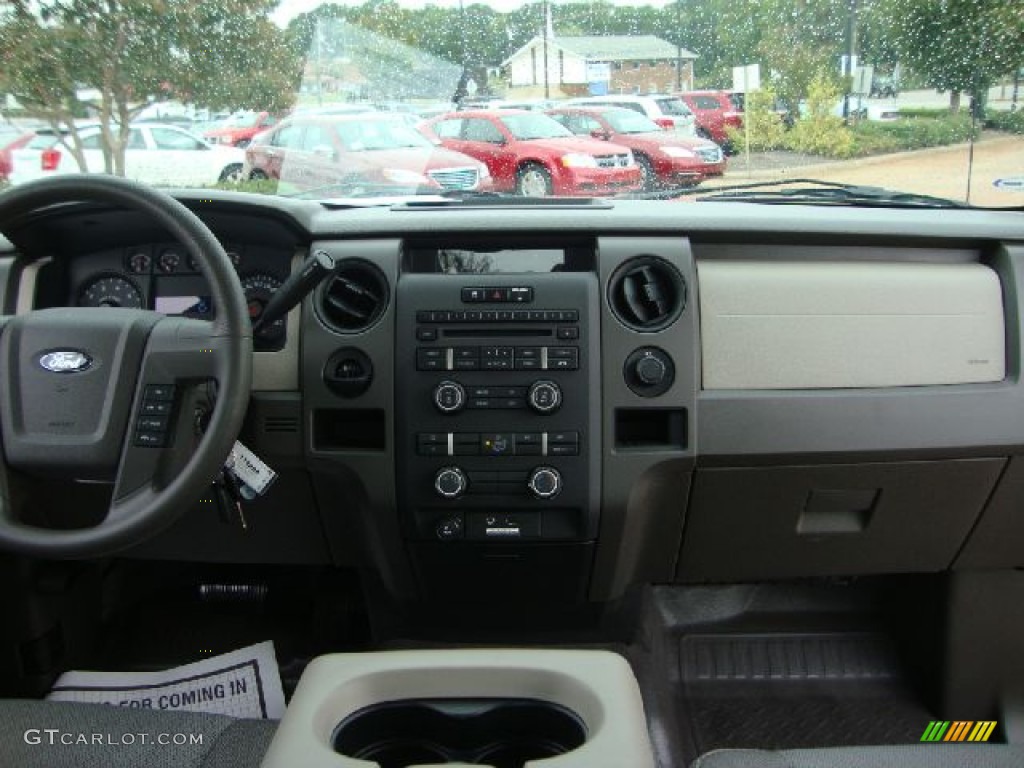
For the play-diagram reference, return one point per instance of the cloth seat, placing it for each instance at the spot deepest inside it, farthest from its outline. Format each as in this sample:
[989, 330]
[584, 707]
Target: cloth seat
[901, 756]
[50, 734]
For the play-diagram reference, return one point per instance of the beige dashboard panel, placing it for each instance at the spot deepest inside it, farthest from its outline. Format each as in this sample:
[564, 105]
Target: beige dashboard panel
[817, 325]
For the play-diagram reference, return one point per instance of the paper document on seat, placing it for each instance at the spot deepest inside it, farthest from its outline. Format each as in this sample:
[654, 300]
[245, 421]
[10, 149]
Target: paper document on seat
[242, 683]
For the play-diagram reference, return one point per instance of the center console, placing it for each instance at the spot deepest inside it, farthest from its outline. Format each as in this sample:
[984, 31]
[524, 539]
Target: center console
[497, 394]
[499, 707]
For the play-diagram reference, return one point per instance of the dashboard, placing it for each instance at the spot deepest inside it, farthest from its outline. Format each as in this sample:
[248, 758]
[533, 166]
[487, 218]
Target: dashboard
[555, 403]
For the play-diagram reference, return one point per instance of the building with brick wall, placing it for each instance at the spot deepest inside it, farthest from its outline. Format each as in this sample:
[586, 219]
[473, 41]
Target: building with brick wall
[599, 64]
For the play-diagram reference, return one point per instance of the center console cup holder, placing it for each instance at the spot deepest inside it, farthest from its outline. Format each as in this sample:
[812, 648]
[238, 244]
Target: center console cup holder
[500, 733]
[495, 707]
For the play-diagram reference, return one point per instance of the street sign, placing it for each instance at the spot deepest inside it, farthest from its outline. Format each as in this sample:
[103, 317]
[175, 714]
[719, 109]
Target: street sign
[747, 78]
[862, 78]
[599, 72]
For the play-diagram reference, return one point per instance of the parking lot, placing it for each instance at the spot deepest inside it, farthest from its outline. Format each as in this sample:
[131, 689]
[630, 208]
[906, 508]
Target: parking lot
[940, 171]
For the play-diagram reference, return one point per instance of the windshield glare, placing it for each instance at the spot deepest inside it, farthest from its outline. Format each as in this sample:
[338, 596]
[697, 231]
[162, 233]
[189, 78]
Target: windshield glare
[530, 126]
[627, 121]
[364, 135]
[918, 96]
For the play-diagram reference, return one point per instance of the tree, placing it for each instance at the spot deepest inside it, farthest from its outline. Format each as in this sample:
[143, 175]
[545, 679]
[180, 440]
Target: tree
[956, 45]
[224, 54]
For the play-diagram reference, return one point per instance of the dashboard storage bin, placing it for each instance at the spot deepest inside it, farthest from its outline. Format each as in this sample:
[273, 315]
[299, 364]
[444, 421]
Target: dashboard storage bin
[795, 521]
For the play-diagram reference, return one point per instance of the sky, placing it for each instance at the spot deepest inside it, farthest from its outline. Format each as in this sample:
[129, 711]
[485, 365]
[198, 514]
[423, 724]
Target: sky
[289, 9]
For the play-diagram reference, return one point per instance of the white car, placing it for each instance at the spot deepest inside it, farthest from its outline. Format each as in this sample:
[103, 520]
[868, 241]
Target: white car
[162, 155]
[670, 112]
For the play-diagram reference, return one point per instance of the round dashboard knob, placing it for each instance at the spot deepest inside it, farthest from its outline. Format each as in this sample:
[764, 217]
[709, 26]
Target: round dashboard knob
[544, 397]
[651, 371]
[545, 482]
[449, 397]
[450, 482]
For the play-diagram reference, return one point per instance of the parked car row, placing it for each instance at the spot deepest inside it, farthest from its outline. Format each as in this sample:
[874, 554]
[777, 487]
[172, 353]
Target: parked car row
[588, 149]
[158, 154]
[589, 146]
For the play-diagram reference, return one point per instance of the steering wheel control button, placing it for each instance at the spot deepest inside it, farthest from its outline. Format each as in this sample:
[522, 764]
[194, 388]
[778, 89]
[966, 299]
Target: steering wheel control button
[149, 439]
[649, 371]
[450, 482]
[544, 397]
[449, 528]
[152, 423]
[156, 392]
[449, 397]
[545, 482]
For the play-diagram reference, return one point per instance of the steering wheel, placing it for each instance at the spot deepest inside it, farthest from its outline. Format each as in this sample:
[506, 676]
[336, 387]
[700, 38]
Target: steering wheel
[95, 394]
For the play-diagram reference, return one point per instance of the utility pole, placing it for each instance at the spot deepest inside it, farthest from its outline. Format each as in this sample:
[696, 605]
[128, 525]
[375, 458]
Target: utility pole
[547, 34]
[679, 45]
[851, 36]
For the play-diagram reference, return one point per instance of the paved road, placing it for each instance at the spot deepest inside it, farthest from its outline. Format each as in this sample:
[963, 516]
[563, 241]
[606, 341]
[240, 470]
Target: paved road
[941, 171]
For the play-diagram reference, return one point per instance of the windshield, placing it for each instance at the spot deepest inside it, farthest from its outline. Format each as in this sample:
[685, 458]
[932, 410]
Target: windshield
[364, 135]
[673, 107]
[627, 121]
[921, 97]
[531, 126]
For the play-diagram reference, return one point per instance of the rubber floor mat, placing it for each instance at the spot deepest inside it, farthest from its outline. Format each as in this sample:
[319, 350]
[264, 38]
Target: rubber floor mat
[793, 691]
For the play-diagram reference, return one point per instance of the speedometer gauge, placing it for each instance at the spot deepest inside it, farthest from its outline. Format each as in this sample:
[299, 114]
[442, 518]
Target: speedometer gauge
[110, 291]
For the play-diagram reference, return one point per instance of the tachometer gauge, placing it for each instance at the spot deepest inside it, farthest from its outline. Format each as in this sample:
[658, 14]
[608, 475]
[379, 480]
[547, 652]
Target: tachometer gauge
[110, 291]
[259, 287]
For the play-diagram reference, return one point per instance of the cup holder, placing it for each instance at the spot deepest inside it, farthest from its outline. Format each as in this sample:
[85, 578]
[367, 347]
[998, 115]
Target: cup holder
[503, 733]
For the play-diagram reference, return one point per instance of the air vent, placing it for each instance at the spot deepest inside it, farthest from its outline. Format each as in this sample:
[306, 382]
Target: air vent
[354, 297]
[647, 294]
[280, 424]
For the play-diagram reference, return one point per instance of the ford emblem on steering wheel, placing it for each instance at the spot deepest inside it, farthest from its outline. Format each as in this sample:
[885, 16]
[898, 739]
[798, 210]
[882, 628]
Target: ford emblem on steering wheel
[65, 361]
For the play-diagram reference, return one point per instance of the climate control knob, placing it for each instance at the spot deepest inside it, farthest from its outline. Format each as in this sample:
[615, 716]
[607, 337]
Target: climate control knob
[450, 482]
[449, 397]
[544, 396]
[545, 482]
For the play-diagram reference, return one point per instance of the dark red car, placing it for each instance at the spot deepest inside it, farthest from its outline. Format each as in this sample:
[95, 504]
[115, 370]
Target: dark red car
[665, 159]
[533, 155]
[373, 151]
[715, 114]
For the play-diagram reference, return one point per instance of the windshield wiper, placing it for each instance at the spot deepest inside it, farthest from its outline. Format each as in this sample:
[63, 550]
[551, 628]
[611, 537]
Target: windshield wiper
[825, 193]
